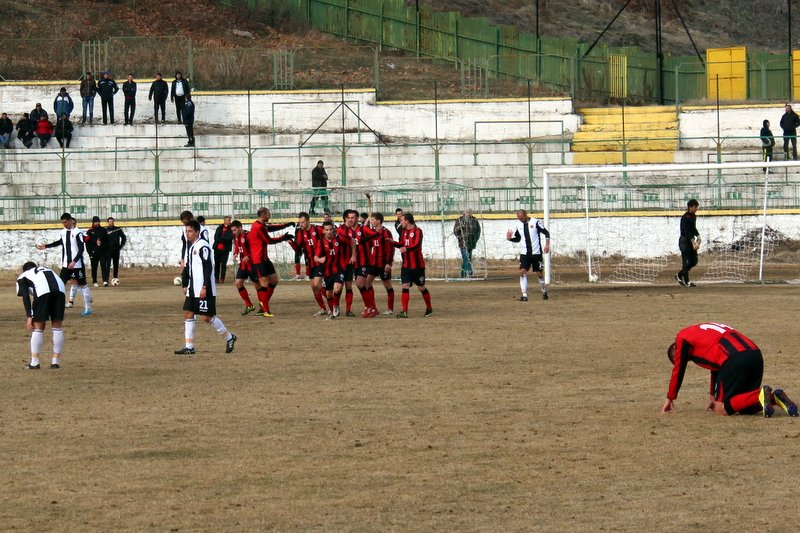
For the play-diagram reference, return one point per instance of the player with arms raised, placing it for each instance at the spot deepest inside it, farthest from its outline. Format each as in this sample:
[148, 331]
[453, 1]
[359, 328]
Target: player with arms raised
[413, 268]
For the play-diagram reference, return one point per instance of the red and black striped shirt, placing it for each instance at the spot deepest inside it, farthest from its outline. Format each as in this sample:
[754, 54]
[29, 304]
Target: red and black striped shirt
[307, 239]
[370, 247]
[241, 248]
[411, 240]
[706, 345]
[335, 252]
[347, 235]
[388, 246]
[259, 238]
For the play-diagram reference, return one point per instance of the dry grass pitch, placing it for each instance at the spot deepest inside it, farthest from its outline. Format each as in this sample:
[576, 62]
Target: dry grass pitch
[493, 415]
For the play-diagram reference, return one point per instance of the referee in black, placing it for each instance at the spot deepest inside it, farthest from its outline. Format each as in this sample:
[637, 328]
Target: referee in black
[686, 243]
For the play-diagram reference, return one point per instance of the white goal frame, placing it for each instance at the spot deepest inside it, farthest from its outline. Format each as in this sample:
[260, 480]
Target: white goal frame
[552, 173]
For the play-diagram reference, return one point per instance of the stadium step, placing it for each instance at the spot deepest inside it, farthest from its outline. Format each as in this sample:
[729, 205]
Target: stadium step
[650, 135]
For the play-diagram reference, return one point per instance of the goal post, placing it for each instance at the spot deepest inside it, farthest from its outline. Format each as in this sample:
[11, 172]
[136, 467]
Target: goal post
[621, 223]
[436, 207]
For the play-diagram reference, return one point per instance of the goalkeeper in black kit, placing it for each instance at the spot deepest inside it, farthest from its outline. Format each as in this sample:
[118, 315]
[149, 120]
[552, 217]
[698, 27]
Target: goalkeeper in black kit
[688, 243]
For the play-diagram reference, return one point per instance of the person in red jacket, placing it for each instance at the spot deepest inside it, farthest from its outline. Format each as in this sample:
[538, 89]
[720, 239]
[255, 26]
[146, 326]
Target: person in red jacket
[44, 130]
[736, 366]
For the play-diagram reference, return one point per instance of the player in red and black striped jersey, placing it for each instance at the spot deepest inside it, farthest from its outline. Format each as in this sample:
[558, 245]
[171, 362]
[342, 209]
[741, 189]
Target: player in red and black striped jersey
[371, 260]
[332, 254]
[736, 366]
[241, 256]
[348, 233]
[413, 268]
[386, 273]
[259, 238]
[306, 237]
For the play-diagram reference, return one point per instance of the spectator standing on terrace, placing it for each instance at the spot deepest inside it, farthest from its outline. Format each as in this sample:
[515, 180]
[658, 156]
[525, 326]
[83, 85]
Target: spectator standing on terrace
[38, 113]
[789, 123]
[6, 129]
[188, 120]
[179, 93]
[88, 92]
[62, 105]
[319, 182]
[25, 130]
[129, 91]
[159, 91]
[44, 130]
[767, 142]
[107, 88]
[64, 131]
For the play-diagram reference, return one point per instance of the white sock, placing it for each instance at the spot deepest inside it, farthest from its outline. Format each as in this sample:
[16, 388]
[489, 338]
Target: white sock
[541, 285]
[55, 361]
[523, 284]
[58, 342]
[37, 337]
[188, 332]
[217, 324]
[87, 297]
[72, 290]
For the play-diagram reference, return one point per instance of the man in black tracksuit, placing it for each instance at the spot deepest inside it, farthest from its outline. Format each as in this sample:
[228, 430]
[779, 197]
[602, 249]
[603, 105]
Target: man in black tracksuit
[789, 123]
[179, 92]
[129, 91]
[97, 246]
[159, 92]
[686, 242]
[107, 88]
[116, 240]
[188, 120]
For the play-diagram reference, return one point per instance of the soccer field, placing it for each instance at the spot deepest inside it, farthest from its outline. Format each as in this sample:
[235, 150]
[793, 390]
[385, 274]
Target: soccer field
[493, 414]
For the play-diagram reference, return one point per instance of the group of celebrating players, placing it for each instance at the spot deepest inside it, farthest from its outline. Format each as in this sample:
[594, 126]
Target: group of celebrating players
[337, 257]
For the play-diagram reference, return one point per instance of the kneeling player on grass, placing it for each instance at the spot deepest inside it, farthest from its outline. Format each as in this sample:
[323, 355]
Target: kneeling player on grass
[528, 232]
[200, 291]
[241, 256]
[413, 269]
[736, 367]
[47, 290]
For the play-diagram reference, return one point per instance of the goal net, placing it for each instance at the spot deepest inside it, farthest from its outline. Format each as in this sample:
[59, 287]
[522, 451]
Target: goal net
[621, 224]
[436, 209]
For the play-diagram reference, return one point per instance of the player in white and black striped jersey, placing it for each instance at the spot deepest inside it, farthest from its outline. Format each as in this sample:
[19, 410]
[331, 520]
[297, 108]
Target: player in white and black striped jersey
[47, 303]
[71, 241]
[528, 233]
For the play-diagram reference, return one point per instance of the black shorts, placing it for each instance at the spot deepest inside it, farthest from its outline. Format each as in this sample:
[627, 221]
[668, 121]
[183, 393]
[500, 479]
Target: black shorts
[49, 306]
[246, 273]
[741, 373]
[330, 281]
[348, 273]
[264, 269]
[412, 276]
[386, 275]
[206, 306]
[78, 274]
[531, 262]
[366, 270]
[318, 271]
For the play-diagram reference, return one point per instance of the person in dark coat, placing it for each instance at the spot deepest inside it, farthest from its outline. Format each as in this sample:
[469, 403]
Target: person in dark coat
[223, 243]
[188, 120]
[789, 123]
[159, 92]
[88, 92]
[319, 182]
[37, 113]
[97, 246]
[179, 92]
[467, 230]
[129, 91]
[25, 130]
[6, 129]
[767, 142]
[64, 131]
[107, 88]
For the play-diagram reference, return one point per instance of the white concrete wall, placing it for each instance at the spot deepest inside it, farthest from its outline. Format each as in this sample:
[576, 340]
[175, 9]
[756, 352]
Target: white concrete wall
[304, 112]
[639, 237]
[733, 122]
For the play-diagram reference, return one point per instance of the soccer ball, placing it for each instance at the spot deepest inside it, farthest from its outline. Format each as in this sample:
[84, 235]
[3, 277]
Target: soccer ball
[593, 278]
[115, 282]
[178, 281]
